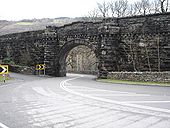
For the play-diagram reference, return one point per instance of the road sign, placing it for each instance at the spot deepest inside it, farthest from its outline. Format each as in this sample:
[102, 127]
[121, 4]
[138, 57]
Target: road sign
[3, 69]
[40, 66]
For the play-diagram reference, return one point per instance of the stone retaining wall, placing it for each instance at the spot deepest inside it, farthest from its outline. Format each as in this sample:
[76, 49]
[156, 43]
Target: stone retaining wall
[83, 72]
[22, 69]
[141, 76]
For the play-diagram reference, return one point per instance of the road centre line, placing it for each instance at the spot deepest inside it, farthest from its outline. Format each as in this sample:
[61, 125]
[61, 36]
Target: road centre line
[64, 82]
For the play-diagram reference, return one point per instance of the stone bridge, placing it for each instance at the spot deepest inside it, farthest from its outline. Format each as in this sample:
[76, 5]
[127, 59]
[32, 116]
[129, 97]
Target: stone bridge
[139, 43]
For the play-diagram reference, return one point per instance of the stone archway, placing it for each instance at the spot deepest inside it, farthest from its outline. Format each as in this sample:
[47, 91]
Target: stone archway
[67, 47]
[82, 59]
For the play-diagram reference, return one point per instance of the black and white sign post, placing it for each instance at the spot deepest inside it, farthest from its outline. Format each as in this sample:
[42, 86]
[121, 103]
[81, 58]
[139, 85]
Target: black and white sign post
[4, 71]
[44, 69]
[4, 79]
[40, 67]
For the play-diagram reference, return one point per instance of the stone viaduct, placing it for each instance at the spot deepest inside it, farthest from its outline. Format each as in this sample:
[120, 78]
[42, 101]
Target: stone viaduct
[139, 43]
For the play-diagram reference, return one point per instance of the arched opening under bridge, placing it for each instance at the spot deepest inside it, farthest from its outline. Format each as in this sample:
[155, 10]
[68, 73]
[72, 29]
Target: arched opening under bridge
[78, 56]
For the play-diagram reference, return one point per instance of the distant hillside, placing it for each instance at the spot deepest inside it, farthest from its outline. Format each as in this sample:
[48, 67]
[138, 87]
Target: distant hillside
[7, 27]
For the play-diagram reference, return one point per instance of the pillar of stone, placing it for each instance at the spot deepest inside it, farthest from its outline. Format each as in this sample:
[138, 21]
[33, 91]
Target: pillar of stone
[51, 49]
[109, 34]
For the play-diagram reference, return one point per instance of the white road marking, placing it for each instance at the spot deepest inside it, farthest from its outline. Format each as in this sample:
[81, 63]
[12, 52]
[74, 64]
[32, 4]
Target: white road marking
[3, 125]
[162, 101]
[64, 82]
[115, 95]
[95, 89]
[119, 93]
[41, 91]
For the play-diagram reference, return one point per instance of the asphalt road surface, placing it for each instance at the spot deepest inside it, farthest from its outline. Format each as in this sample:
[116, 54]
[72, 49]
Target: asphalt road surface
[78, 101]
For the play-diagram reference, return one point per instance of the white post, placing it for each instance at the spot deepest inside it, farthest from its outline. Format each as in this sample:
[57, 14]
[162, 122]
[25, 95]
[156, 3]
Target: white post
[44, 69]
[4, 78]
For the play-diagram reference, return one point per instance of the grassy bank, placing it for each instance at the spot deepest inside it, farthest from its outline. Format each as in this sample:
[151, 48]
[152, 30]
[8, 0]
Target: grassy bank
[133, 82]
[6, 78]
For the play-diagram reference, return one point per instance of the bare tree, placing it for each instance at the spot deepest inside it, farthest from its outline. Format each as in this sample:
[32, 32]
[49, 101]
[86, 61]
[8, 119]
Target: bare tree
[143, 7]
[121, 7]
[131, 10]
[103, 8]
[130, 50]
[159, 59]
[167, 5]
[93, 15]
[164, 4]
[147, 54]
[155, 6]
[112, 8]
[137, 7]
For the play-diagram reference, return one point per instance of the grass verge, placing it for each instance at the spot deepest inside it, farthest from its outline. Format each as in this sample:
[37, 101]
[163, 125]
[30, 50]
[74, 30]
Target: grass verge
[133, 82]
[2, 79]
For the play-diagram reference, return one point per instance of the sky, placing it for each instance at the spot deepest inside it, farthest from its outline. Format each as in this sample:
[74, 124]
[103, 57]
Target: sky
[30, 9]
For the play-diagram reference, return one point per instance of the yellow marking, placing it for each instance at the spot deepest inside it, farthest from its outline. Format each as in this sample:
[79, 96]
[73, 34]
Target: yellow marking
[5, 69]
[40, 66]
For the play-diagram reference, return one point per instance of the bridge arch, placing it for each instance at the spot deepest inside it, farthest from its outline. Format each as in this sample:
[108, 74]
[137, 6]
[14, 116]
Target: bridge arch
[67, 47]
[147, 43]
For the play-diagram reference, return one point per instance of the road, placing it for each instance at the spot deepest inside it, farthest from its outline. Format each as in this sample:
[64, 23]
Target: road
[78, 101]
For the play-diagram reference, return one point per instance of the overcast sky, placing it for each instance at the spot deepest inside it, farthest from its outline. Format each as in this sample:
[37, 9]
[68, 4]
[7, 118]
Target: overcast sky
[29, 9]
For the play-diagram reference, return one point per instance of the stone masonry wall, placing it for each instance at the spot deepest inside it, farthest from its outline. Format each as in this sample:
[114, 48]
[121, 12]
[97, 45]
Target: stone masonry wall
[141, 76]
[139, 43]
[26, 49]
